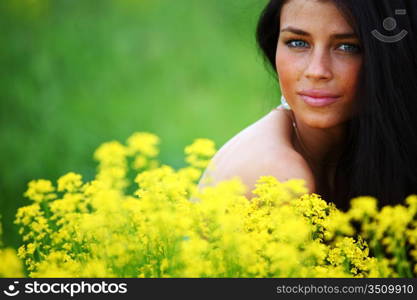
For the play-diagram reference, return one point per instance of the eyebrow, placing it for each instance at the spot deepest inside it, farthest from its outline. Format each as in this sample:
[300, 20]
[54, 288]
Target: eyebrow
[302, 32]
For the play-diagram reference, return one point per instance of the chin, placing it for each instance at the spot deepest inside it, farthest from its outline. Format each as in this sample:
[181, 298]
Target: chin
[322, 117]
[321, 121]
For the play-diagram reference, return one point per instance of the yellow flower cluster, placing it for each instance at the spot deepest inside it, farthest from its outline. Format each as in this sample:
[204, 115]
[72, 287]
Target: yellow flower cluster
[166, 227]
[10, 265]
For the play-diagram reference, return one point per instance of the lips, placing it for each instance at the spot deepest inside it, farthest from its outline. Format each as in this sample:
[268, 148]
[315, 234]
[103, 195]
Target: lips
[318, 98]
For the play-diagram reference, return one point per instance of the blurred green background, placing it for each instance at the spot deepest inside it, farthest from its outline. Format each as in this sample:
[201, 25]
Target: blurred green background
[77, 73]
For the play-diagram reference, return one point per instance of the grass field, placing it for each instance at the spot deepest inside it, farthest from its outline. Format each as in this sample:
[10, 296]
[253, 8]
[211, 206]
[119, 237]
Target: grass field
[79, 73]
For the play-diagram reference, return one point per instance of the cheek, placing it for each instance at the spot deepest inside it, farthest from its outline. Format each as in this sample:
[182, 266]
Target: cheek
[349, 78]
[285, 65]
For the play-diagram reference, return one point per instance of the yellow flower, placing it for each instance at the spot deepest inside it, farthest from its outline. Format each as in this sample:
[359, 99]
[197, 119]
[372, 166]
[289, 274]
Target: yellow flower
[144, 143]
[411, 201]
[111, 153]
[11, 265]
[363, 206]
[199, 153]
[169, 228]
[70, 182]
[40, 190]
[140, 162]
[203, 147]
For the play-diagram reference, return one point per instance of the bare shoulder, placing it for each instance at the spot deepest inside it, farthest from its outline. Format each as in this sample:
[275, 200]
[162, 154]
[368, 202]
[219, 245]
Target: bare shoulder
[263, 148]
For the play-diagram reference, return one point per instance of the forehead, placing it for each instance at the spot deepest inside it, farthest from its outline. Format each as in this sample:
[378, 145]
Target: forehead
[320, 15]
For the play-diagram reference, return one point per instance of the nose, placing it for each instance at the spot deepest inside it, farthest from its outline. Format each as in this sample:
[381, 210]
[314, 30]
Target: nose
[319, 66]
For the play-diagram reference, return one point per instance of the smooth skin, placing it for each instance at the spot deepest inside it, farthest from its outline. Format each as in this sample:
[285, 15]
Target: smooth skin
[308, 56]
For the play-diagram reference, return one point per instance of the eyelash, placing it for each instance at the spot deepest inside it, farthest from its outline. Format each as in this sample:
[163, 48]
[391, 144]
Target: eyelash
[355, 50]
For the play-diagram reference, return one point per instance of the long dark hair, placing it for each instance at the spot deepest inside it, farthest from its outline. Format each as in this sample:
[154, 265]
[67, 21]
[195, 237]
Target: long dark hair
[381, 157]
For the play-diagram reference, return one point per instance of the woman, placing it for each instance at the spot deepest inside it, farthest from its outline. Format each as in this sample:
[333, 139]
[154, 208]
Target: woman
[347, 70]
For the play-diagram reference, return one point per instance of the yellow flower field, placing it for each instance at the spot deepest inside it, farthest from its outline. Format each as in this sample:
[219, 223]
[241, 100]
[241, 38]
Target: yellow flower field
[140, 218]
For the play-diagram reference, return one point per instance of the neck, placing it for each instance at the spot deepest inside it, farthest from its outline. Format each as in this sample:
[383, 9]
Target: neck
[322, 148]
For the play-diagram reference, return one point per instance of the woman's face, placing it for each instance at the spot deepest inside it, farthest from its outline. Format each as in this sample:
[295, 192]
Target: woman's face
[310, 58]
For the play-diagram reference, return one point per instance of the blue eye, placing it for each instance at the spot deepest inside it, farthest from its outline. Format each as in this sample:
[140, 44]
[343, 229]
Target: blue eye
[295, 43]
[351, 48]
